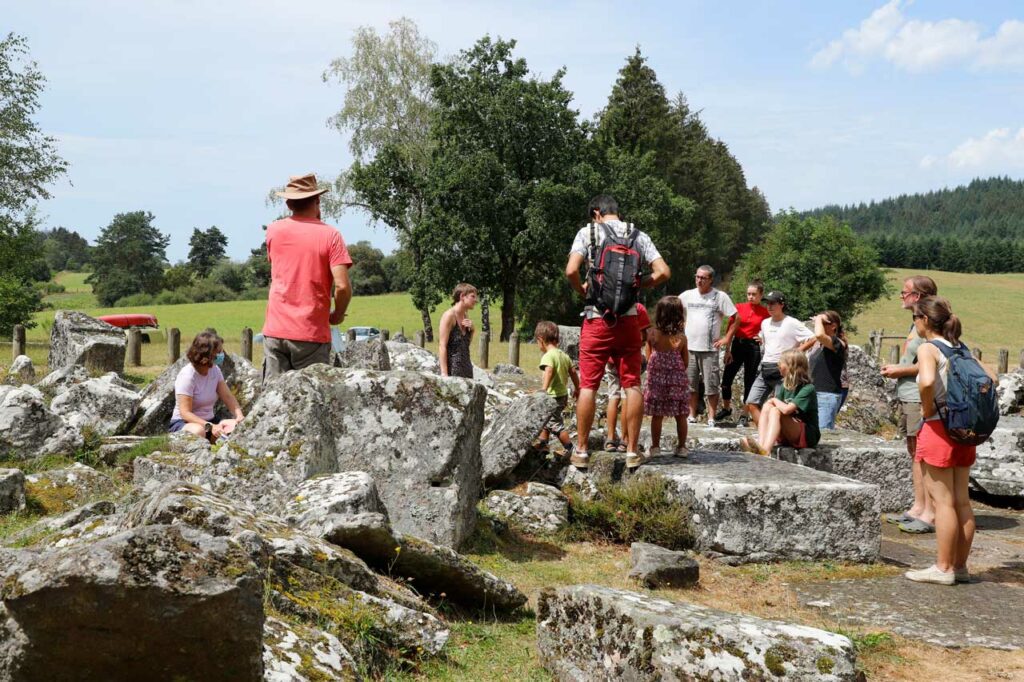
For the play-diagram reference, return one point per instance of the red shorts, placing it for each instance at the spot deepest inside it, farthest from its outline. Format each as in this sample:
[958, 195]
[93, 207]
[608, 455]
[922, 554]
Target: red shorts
[934, 447]
[801, 442]
[619, 344]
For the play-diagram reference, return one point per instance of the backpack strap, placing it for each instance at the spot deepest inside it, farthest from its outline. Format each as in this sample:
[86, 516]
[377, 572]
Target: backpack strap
[949, 351]
[632, 234]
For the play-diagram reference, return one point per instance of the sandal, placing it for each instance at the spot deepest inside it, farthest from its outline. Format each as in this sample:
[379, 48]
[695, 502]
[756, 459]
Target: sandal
[902, 517]
[917, 527]
[610, 445]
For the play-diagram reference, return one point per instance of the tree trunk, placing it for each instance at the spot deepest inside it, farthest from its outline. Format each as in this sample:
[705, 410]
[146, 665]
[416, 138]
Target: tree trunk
[428, 329]
[508, 310]
[485, 314]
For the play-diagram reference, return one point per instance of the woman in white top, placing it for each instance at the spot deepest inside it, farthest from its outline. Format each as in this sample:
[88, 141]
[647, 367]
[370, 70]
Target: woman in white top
[947, 465]
[198, 386]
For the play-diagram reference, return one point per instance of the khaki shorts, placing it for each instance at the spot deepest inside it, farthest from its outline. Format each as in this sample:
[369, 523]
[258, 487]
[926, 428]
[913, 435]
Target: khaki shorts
[283, 355]
[910, 419]
[704, 368]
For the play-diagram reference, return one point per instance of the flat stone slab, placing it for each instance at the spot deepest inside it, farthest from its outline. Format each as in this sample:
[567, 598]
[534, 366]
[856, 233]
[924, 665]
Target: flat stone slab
[985, 614]
[589, 632]
[656, 566]
[760, 509]
[999, 469]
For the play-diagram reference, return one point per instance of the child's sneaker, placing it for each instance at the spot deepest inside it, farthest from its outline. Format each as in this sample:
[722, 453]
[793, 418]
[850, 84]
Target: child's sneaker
[580, 460]
[723, 414]
[681, 452]
[654, 451]
[691, 419]
[634, 460]
[711, 422]
[933, 575]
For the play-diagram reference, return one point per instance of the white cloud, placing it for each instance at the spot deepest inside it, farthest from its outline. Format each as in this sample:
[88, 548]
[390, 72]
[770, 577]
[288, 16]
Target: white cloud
[917, 46]
[998, 151]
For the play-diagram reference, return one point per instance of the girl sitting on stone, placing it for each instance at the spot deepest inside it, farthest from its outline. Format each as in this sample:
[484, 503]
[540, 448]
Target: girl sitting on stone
[199, 384]
[791, 417]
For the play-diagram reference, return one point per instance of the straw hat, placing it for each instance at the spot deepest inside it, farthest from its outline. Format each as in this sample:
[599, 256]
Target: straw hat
[301, 187]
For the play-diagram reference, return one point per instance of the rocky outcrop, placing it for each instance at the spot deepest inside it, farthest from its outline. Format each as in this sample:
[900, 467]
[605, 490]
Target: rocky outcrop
[412, 358]
[190, 604]
[1011, 392]
[417, 435]
[371, 354]
[29, 429]
[569, 341]
[12, 490]
[655, 566]
[21, 371]
[57, 491]
[999, 468]
[61, 379]
[871, 403]
[295, 652]
[505, 368]
[587, 632]
[105, 405]
[540, 509]
[753, 508]
[512, 429]
[77, 339]
[156, 403]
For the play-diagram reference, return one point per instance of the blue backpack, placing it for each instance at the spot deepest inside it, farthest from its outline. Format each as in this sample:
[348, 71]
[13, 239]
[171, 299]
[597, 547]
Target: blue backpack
[971, 410]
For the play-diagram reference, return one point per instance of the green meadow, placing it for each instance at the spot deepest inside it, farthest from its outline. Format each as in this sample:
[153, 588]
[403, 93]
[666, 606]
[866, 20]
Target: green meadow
[985, 303]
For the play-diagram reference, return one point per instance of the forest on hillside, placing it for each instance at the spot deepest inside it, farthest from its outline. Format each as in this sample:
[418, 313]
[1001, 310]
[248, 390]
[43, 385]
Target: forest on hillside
[977, 227]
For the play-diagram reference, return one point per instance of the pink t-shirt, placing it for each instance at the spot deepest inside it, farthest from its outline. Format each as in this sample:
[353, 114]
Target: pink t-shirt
[202, 389]
[302, 252]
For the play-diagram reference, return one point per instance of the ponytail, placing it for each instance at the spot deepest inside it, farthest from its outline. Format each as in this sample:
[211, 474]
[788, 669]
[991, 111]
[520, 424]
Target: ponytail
[951, 329]
[939, 317]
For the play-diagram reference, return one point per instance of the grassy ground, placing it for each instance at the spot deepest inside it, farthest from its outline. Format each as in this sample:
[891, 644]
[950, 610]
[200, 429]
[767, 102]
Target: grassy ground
[985, 303]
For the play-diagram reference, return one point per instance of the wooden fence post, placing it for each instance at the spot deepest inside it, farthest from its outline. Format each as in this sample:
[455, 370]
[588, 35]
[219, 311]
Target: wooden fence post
[385, 335]
[878, 343]
[18, 341]
[247, 343]
[421, 339]
[513, 350]
[1021, 362]
[485, 343]
[894, 355]
[173, 345]
[1004, 361]
[134, 348]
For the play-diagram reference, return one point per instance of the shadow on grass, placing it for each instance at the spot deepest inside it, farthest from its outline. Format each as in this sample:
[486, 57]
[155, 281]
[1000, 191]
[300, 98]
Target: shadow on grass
[494, 537]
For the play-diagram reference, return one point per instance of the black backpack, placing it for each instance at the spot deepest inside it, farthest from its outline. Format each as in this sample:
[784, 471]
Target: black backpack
[614, 276]
[971, 410]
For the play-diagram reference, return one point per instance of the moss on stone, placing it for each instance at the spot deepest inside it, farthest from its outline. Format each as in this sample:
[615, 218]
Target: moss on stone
[825, 665]
[48, 497]
[776, 658]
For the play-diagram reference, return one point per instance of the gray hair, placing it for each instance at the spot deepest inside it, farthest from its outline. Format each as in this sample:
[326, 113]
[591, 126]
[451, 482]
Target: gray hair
[708, 269]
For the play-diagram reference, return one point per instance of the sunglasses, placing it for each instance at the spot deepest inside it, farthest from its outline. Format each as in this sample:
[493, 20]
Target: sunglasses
[918, 317]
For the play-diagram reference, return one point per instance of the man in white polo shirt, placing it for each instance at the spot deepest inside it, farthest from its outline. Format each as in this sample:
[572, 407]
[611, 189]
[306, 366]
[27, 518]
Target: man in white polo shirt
[706, 307]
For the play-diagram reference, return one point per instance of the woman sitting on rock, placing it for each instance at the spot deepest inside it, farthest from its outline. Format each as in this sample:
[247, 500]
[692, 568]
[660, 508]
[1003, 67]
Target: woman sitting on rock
[197, 388]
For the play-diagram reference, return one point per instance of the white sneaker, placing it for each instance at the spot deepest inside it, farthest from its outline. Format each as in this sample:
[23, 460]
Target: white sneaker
[580, 460]
[932, 574]
[653, 451]
[634, 460]
[711, 422]
[691, 419]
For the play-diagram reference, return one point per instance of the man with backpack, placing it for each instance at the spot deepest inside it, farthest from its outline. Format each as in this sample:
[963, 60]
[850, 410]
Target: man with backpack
[616, 255]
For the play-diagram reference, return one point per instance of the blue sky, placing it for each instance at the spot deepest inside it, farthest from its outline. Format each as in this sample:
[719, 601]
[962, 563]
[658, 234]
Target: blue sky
[193, 110]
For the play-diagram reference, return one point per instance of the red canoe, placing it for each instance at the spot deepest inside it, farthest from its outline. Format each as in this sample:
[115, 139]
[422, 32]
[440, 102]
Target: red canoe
[130, 320]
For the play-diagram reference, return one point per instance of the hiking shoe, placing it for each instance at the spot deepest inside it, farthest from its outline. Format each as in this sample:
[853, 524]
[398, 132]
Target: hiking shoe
[723, 414]
[691, 419]
[634, 460]
[744, 421]
[711, 422]
[933, 575]
[681, 452]
[962, 575]
[580, 460]
[654, 451]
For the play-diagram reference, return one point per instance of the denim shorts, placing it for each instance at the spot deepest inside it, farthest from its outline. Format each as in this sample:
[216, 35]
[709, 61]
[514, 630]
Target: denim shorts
[828, 408]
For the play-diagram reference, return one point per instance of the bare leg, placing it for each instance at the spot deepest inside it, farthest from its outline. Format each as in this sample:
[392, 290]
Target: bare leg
[563, 438]
[194, 429]
[584, 417]
[681, 430]
[713, 405]
[755, 413]
[939, 483]
[624, 425]
[964, 516]
[769, 428]
[656, 431]
[694, 399]
[613, 413]
[789, 429]
[634, 417]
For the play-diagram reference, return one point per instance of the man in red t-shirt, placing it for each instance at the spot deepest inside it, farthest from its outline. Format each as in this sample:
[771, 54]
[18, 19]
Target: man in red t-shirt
[307, 257]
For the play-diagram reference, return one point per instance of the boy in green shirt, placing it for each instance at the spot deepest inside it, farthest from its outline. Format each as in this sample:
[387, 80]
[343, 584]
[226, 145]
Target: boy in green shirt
[558, 370]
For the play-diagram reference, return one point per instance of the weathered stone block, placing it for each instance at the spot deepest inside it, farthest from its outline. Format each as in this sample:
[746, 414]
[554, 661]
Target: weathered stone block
[512, 429]
[12, 490]
[588, 632]
[77, 339]
[862, 458]
[412, 358]
[656, 566]
[999, 469]
[542, 509]
[371, 354]
[416, 434]
[1011, 392]
[106, 404]
[569, 341]
[760, 509]
[21, 371]
[28, 428]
